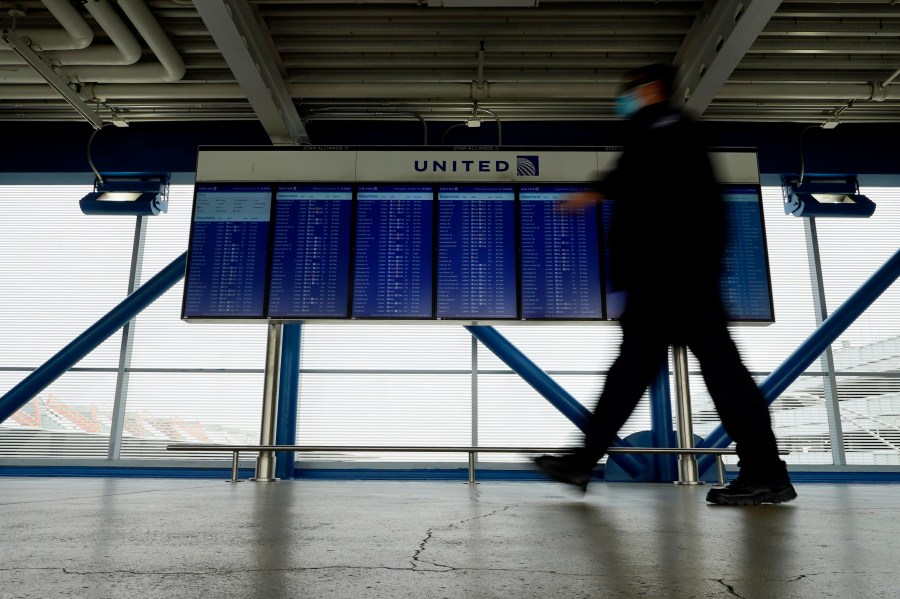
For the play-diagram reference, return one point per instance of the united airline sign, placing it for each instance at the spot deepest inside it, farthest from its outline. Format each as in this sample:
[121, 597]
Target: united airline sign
[406, 164]
[526, 166]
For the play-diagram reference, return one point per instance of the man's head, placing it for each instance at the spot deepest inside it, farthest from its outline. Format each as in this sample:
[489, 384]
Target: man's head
[644, 86]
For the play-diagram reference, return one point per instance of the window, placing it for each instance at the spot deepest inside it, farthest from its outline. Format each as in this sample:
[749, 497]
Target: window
[373, 384]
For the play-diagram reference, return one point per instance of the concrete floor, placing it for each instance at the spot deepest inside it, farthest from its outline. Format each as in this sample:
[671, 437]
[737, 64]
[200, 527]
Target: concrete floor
[148, 538]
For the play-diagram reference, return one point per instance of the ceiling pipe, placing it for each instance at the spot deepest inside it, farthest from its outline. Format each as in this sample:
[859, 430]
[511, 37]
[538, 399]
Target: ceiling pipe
[75, 34]
[805, 91]
[890, 79]
[459, 91]
[125, 48]
[170, 68]
[199, 90]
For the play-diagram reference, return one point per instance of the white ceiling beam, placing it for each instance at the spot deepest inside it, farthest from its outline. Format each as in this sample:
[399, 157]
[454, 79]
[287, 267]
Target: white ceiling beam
[243, 41]
[714, 46]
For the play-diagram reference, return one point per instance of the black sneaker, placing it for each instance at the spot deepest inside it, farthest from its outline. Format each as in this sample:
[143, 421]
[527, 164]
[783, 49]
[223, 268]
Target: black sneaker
[743, 491]
[562, 469]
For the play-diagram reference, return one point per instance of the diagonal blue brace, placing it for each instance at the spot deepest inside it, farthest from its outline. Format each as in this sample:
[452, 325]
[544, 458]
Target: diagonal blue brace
[808, 351]
[549, 389]
[93, 336]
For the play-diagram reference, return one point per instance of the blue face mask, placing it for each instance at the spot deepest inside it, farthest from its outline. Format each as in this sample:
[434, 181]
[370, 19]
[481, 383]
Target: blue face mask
[627, 104]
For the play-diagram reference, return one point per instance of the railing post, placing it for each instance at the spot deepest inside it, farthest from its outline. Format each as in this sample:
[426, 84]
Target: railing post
[235, 465]
[720, 468]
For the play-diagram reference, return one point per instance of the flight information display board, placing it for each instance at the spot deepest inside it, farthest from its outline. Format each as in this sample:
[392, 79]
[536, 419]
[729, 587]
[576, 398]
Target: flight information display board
[392, 269]
[560, 261]
[229, 241]
[476, 252]
[746, 289]
[472, 235]
[310, 270]
[614, 301]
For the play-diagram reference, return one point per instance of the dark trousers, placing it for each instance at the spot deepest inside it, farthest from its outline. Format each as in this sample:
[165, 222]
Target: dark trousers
[648, 329]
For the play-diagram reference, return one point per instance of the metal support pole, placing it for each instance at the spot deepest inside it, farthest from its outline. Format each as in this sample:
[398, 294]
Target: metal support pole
[687, 463]
[265, 463]
[829, 384]
[473, 457]
[134, 277]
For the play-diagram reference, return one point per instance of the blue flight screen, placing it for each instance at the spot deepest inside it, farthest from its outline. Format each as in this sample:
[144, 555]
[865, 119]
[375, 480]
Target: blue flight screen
[226, 271]
[746, 285]
[310, 276]
[476, 260]
[560, 263]
[615, 300]
[392, 265]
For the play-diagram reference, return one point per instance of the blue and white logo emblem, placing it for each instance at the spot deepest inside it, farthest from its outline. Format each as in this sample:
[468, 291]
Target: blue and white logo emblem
[527, 166]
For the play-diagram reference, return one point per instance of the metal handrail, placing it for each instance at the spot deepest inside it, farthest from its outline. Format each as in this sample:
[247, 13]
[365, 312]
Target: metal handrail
[236, 449]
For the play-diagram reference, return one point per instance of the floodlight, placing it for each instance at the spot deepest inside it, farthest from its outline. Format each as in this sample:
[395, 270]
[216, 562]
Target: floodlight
[825, 196]
[138, 195]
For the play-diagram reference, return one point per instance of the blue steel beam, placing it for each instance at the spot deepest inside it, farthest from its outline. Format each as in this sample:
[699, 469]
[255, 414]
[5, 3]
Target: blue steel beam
[92, 337]
[661, 431]
[288, 387]
[808, 351]
[549, 389]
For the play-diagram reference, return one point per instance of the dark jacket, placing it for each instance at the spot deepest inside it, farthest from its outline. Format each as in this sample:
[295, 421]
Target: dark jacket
[668, 230]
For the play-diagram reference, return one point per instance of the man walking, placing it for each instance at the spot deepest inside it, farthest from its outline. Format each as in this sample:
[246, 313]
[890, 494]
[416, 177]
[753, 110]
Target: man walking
[667, 240]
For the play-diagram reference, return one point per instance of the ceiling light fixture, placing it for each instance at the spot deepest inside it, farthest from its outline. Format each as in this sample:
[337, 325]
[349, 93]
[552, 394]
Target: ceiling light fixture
[133, 195]
[828, 196]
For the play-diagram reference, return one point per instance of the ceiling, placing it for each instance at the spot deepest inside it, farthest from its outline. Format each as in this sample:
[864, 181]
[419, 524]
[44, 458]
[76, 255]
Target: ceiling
[286, 62]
